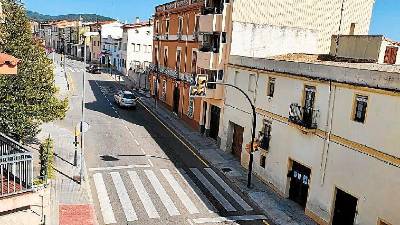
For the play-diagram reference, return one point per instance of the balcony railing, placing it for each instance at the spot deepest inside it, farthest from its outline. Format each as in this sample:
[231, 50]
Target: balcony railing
[303, 116]
[176, 4]
[187, 77]
[208, 47]
[16, 168]
[264, 142]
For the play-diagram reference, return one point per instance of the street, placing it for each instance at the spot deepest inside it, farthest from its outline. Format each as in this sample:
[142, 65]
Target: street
[139, 172]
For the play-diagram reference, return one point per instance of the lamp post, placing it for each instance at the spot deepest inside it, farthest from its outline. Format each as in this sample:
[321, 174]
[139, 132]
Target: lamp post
[86, 35]
[253, 134]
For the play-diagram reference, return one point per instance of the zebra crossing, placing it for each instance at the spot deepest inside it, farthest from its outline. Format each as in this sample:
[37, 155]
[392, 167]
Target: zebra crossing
[150, 193]
[75, 70]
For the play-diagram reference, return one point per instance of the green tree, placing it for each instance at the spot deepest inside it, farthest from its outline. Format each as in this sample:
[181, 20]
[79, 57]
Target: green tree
[46, 152]
[27, 99]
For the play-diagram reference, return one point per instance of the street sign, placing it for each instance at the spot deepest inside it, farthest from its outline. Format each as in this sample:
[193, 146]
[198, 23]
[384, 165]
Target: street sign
[199, 90]
[85, 127]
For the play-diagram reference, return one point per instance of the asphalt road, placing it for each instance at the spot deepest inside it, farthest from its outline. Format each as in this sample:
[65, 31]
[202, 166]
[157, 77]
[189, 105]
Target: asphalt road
[141, 173]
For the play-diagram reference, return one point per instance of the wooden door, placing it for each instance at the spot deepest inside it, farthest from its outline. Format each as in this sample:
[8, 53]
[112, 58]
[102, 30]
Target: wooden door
[237, 141]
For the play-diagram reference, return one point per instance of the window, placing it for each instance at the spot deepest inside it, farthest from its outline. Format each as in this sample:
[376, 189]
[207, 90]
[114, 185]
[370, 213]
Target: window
[265, 134]
[178, 59]
[180, 25]
[271, 87]
[262, 161]
[157, 27]
[223, 37]
[134, 47]
[360, 108]
[167, 26]
[252, 82]
[138, 48]
[236, 78]
[194, 61]
[166, 56]
[196, 24]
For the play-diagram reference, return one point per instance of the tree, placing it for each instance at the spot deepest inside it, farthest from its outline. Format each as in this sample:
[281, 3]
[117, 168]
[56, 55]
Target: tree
[46, 152]
[27, 99]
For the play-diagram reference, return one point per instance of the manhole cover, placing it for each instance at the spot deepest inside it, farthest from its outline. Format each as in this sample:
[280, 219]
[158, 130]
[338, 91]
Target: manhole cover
[226, 170]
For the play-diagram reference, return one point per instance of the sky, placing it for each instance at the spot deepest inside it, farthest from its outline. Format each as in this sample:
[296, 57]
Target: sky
[385, 18]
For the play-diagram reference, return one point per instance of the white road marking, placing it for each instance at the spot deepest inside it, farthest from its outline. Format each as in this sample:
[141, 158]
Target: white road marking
[151, 163]
[104, 200]
[137, 142]
[229, 190]
[217, 195]
[229, 219]
[187, 202]
[165, 199]
[196, 191]
[123, 196]
[143, 195]
[119, 167]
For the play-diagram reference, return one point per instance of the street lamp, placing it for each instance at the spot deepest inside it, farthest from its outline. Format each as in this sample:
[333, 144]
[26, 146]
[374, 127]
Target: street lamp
[253, 134]
[86, 35]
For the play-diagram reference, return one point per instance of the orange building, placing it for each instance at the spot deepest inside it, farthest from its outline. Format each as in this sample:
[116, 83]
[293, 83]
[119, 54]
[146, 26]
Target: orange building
[174, 67]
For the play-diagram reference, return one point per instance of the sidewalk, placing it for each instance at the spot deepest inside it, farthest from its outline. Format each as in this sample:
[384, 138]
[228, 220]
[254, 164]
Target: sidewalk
[71, 201]
[280, 210]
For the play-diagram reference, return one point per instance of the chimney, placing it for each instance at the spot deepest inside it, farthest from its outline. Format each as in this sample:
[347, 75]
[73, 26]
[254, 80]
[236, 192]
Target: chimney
[137, 19]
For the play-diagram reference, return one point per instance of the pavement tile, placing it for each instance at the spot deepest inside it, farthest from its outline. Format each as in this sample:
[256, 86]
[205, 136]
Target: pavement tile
[76, 215]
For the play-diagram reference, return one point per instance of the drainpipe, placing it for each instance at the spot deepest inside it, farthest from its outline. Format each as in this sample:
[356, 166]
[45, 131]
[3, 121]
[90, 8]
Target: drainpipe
[329, 122]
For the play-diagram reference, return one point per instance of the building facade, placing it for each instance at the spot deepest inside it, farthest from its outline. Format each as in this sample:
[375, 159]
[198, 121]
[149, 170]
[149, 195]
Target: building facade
[137, 46]
[174, 66]
[323, 16]
[111, 36]
[328, 134]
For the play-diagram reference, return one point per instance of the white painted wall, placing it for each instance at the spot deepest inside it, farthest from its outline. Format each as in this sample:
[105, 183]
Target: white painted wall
[254, 40]
[374, 182]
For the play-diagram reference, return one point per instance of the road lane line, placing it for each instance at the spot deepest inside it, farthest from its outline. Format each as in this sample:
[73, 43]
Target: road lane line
[196, 191]
[176, 136]
[119, 167]
[137, 142]
[165, 199]
[229, 190]
[229, 219]
[123, 196]
[217, 195]
[150, 162]
[187, 202]
[143, 195]
[104, 200]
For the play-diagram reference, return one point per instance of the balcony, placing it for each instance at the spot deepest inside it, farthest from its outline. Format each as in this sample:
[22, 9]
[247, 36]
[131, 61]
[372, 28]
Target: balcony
[209, 60]
[210, 23]
[306, 117]
[16, 168]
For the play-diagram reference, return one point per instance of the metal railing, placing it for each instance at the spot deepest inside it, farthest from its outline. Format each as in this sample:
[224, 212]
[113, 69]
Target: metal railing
[16, 167]
[303, 116]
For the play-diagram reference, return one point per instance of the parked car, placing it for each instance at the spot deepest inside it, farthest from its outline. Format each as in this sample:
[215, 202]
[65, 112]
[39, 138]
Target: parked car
[125, 99]
[95, 69]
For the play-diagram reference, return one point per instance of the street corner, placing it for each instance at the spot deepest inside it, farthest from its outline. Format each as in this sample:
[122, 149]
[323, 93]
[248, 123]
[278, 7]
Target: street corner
[77, 215]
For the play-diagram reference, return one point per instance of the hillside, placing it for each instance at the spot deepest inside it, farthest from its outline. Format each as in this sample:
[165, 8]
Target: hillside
[86, 17]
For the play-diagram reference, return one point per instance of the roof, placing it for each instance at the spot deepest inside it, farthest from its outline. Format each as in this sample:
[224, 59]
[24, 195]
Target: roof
[328, 60]
[8, 59]
[377, 76]
[136, 25]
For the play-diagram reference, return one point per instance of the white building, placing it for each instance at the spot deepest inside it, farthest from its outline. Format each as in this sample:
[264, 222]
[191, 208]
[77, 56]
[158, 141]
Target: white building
[137, 40]
[111, 36]
[329, 133]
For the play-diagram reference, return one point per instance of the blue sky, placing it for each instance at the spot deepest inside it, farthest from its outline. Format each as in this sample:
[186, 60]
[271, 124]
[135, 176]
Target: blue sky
[385, 19]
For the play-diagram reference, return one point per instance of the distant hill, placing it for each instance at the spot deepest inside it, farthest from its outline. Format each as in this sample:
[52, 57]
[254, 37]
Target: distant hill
[86, 17]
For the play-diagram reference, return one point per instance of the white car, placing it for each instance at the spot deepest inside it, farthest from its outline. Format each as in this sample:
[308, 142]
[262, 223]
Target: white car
[125, 99]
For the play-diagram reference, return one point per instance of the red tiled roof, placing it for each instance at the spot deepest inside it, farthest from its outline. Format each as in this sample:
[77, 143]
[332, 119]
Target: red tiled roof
[8, 59]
